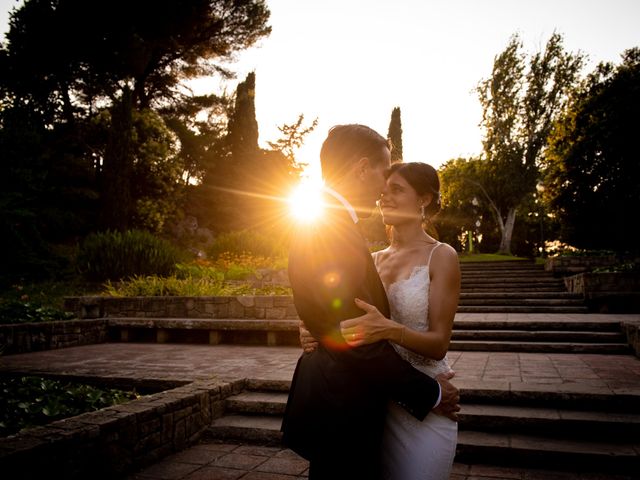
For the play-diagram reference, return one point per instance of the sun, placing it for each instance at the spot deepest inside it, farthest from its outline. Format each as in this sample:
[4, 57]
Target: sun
[305, 201]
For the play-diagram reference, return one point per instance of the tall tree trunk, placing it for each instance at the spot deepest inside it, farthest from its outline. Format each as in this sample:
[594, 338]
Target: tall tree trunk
[116, 208]
[507, 232]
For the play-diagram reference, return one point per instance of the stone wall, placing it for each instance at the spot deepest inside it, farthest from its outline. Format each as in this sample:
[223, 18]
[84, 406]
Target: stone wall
[117, 440]
[271, 307]
[572, 264]
[607, 292]
[31, 337]
[631, 329]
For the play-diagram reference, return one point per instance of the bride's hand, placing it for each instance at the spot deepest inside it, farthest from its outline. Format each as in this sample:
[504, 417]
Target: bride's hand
[371, 327]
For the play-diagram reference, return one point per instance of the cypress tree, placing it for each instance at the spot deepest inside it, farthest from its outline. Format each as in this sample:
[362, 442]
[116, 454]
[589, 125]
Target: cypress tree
[243, 126]
[395, 135]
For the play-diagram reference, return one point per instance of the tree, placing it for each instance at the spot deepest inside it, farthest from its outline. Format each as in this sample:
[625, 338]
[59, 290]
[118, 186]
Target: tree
[519, 107]
[67, 60]
[592, 166]
[395, 135]
[245, 184]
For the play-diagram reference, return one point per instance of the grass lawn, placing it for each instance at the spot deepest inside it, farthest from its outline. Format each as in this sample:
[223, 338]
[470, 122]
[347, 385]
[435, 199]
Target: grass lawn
[489, 257]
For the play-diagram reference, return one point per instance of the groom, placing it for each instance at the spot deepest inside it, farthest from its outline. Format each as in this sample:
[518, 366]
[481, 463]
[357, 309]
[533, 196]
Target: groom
[338, 398]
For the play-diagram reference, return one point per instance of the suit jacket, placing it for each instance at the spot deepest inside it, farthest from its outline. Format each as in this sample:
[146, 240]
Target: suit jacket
[339, 395]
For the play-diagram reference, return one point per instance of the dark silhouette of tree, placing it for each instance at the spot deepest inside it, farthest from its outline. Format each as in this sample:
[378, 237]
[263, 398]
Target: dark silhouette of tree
[246, 186]
[395, 135]
[592, 166]
[519, 107]
[68, 60]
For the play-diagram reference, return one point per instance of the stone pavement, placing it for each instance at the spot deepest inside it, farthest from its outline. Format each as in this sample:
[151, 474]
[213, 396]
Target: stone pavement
[580, 373]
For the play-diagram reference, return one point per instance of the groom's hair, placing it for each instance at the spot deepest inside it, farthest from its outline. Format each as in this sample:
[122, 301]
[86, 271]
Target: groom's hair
[345, 145]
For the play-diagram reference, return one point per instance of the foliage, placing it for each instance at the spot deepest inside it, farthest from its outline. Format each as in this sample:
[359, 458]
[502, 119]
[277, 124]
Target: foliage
[15, 311]
[244, 178]
[292, 138]
[154, 285]
[31, 401]
[395, 135]
[625, 267]
[592, 162]
[247, 242]
[156, 169]
[519, 107]
[117, 255]
[489, 257]
[67, 62]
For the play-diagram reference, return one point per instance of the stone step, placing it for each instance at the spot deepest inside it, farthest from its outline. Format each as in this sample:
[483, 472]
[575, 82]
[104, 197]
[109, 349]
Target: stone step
[503, 264]
[262, 429]
[534, 281]
[508, 273]
[514, 449]
[546, 302]
[609, 453]
[512, 288]
[539, 336]
[519, 309]
[540, 347]
[523, 294]
[528, 324]
[557, 422]
[556, 396]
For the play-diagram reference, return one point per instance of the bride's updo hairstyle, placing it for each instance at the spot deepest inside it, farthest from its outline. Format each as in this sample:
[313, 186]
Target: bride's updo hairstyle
[423, 178]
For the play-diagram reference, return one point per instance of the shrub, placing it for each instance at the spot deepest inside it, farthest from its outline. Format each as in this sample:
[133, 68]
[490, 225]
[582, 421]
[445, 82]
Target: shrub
[14, 311]
[247, 242]
[213, 286]
[30, 401]
[117, 255]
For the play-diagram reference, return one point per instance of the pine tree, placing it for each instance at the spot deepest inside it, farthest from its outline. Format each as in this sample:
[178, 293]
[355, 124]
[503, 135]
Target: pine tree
[395, 135]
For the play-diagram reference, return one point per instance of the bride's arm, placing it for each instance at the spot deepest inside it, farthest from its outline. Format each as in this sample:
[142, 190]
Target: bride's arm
[443, 303]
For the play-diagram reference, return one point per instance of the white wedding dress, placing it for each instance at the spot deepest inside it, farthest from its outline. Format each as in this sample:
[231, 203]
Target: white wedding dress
[413, 449]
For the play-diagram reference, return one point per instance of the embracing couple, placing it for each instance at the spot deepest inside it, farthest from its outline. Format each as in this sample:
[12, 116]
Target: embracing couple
[370, 397]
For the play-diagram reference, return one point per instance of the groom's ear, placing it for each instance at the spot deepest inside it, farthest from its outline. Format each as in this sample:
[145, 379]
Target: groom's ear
[361, 167]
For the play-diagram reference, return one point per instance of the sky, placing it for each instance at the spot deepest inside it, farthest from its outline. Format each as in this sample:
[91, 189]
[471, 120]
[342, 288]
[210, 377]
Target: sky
[353, 61]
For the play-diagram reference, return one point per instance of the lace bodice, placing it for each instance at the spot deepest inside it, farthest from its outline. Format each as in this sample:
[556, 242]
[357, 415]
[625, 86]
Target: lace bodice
[409, 302]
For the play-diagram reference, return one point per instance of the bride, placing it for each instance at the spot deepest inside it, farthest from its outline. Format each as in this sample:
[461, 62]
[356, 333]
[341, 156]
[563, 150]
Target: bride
[422, 280]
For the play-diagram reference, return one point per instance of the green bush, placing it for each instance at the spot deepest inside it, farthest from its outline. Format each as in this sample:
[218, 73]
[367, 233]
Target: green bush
[247, 242]
[14, 311]
[213, 286]
[31, 401]
[116, 255]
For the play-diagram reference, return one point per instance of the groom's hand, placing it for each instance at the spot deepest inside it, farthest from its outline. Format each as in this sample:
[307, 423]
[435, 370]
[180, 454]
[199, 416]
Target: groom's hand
[450, 401]
[307, 341]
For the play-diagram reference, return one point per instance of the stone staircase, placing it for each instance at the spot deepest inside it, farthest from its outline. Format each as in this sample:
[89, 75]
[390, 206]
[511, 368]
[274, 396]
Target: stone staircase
[525, 429]
[568, 333]
[514, 287]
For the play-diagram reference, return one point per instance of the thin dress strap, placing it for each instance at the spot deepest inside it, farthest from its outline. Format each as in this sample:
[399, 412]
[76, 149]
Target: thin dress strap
[431, 254]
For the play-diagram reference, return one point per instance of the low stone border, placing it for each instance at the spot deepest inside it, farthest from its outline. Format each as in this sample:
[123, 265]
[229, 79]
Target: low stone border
[117, 440]
[572, 264]
[272, 307]
[607, 292]
[32, 337]
[631, 329]
[204, 330]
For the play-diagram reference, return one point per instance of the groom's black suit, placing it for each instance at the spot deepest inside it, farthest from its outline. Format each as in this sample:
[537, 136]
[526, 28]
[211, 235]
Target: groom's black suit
[338, 398]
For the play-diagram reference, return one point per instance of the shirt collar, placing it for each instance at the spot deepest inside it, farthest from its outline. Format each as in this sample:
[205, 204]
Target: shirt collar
[345, 203]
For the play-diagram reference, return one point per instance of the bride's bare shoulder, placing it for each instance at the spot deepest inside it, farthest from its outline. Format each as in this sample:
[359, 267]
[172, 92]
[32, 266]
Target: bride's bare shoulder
[380, 254]
[445, 253]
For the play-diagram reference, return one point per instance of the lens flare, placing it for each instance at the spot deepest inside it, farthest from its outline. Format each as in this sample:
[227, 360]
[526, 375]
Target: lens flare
[305, 202]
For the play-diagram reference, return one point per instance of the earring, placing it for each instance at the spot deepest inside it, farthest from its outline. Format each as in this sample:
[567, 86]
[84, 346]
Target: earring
[424, 216]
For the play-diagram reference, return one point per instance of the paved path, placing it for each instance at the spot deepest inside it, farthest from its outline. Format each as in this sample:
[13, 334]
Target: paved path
[583, 373]
[611, 374]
